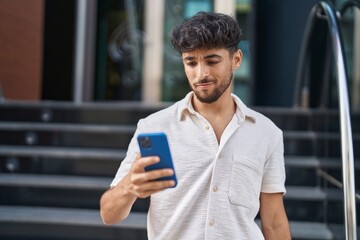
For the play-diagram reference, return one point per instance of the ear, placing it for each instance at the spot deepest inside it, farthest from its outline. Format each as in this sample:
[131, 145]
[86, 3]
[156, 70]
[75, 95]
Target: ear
[236, 59]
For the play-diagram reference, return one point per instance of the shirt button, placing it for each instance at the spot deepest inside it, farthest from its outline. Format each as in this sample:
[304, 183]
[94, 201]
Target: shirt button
[215, 189]
[211, 223]
[207, 127]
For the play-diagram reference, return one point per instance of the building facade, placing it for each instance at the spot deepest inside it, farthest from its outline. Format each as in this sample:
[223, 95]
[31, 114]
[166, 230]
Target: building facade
[119, 50]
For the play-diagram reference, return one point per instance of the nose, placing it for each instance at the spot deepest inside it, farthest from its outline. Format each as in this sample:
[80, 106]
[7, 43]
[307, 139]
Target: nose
[202, 71]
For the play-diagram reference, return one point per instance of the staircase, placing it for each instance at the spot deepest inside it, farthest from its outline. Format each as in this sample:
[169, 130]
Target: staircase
[56, 159]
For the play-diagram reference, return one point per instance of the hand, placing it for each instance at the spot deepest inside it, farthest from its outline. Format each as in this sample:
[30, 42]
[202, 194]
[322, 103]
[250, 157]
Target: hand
[142, 183]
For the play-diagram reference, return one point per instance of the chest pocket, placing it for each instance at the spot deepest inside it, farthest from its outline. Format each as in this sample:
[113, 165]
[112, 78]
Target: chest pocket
[245, 182]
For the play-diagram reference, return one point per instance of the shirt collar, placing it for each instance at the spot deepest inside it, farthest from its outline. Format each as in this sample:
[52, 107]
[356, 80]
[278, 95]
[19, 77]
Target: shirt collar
[242, 112]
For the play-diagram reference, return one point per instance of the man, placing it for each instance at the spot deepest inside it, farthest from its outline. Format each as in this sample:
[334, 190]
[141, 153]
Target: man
[228, 158]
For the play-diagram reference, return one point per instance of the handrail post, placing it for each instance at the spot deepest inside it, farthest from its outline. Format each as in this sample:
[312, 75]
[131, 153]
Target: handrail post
[347, 151]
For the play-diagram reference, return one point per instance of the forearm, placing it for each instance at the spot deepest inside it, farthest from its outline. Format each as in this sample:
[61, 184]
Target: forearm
[277, 232]
[116, 203]
[274, 222]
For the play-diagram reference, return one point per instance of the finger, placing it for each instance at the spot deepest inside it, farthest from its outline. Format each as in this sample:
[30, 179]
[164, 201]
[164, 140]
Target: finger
[148, 193]
[159, 185]
[138, 178]
[153, 186]
[140, 164]
[155, 174]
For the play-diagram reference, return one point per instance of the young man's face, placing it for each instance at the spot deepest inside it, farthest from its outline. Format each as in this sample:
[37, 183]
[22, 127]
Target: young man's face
[210, 72]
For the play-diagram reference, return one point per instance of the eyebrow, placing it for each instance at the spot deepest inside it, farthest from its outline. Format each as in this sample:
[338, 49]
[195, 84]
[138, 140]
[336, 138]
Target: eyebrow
[189, 58]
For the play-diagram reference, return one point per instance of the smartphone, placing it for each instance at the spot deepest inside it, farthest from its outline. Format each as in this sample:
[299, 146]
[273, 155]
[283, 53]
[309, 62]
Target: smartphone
[156, 144]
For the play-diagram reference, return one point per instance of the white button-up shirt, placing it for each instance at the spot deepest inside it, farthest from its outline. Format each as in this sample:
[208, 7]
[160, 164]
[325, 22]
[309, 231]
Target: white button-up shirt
[219, 184]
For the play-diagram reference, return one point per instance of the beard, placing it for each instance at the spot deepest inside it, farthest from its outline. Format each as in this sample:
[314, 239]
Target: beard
[208, 96]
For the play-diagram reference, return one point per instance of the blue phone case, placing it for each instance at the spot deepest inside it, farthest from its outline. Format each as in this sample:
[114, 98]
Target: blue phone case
[156, 144]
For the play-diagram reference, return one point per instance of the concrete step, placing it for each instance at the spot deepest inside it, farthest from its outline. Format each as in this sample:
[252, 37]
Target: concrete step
[319, 144]
[308, 143]
[300, 170]
[131, 112]
[310, 230]
[102, 154]
[112, 154]
[68, 112]
[56, 191]
[13, 217]
[23, 222]
[76, 217]
[106, 154]
[339, 231]
[292, 161]
[67, 127]
[61, 160]
[302, 203]
[102, 183]
[67, 135]
[304, 170]
[301, 193]
[54, 181]
[130, 128]
[316, 162]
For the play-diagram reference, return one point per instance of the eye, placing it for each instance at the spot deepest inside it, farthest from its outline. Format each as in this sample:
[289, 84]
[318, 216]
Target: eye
[191, 64]
[212, 62]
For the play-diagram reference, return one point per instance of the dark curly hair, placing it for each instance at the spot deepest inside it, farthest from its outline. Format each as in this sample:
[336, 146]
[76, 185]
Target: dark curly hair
[206, 31]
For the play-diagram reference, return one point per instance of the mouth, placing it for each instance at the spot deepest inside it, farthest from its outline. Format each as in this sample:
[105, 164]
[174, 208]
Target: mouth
[204, 85]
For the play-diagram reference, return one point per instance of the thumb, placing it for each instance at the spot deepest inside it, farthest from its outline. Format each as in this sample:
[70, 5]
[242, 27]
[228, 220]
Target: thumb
[135, 161]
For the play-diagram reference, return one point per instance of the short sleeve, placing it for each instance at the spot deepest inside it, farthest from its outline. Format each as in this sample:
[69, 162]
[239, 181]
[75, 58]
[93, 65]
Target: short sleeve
[125, 165]
[274, 171]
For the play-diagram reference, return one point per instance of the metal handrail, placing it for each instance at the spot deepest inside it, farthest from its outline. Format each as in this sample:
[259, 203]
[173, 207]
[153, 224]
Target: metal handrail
[347, 5]
[345, 124]
[300, 90]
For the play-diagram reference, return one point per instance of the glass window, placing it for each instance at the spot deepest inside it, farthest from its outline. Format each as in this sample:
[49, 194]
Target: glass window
[119, 50]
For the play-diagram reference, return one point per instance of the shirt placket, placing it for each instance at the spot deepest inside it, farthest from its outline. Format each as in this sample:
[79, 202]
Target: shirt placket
[214, 221]
[209, 131]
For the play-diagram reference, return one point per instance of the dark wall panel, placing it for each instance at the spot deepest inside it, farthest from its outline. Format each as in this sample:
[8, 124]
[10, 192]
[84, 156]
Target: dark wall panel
[279, 28]
[58, 49]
